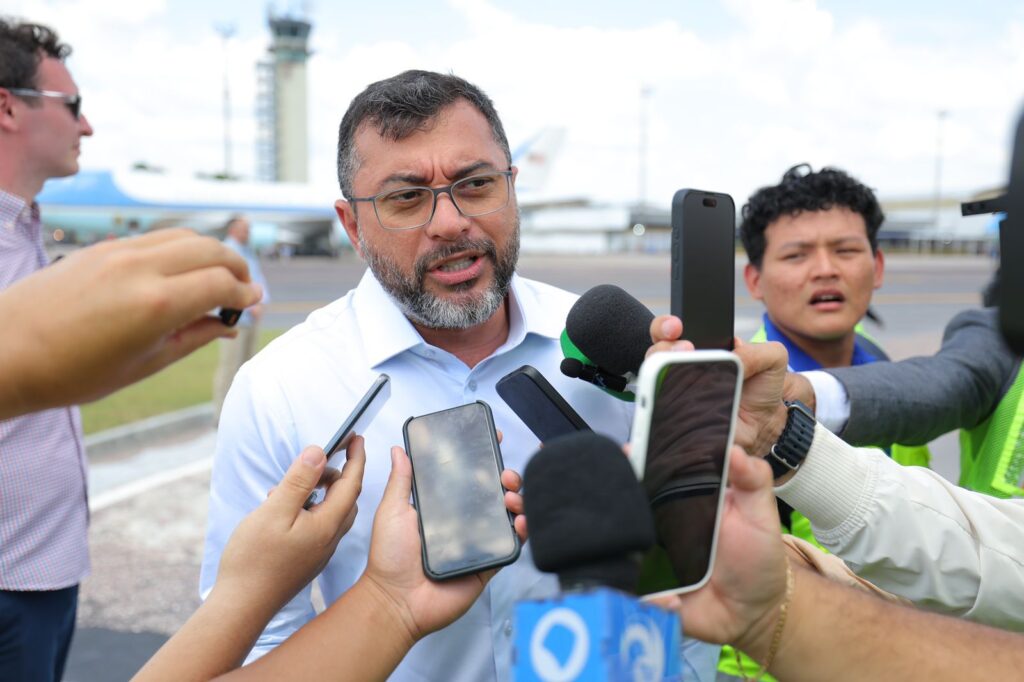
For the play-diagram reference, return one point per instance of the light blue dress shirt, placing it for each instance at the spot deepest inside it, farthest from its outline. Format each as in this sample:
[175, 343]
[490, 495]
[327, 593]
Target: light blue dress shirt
[299, 389]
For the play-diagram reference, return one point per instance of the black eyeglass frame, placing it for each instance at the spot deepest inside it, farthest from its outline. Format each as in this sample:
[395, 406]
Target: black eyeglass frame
[72, 102]
[435, 191]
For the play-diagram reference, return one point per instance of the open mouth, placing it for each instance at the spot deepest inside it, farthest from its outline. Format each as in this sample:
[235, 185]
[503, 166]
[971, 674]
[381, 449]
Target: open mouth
[827, 299]
[457, 264]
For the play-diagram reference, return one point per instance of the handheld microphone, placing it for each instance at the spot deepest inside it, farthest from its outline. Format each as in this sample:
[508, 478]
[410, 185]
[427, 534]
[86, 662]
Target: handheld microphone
[589, 523]
[607, 331]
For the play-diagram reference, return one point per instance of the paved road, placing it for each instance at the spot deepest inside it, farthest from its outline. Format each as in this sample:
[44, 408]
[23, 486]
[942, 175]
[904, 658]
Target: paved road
[149, 507]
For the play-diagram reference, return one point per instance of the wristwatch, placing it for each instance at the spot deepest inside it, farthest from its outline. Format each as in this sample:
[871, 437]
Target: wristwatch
[789, 451]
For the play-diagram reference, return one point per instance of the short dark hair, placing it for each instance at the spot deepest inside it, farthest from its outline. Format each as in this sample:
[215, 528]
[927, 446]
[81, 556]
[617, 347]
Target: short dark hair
[22, 47]
[803, 189]
[401, 105]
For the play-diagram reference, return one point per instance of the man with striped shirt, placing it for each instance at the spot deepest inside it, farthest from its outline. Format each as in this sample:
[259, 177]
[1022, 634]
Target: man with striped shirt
[43, 507]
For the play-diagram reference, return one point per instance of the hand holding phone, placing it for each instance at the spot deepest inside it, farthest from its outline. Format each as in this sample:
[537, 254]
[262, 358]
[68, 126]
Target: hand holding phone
[460, 502]
[682, 432]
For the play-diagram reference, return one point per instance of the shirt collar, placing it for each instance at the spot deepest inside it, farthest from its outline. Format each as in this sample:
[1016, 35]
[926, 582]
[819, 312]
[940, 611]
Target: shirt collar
[386, 332]
[799, 361]
[15, 210]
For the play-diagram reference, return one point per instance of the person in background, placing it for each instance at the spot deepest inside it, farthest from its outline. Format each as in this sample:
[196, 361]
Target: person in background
[235, 352]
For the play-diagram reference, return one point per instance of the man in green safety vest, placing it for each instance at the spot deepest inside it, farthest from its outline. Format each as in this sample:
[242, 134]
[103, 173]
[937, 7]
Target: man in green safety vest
[814, 262]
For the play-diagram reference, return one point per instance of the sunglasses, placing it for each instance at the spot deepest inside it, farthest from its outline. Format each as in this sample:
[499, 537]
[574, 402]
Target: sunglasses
[72, 102]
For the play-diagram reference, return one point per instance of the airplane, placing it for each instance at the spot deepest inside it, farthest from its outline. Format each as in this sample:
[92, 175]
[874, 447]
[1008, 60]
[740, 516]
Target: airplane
[101, 204]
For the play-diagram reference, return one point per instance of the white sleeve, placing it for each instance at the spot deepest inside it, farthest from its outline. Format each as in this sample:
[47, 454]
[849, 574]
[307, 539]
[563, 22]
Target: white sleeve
[253, 452]
[913, 533]
[831, 403]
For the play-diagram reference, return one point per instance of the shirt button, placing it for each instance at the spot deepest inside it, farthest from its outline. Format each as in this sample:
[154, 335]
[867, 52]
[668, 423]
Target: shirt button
[472, 385]
[508, 628]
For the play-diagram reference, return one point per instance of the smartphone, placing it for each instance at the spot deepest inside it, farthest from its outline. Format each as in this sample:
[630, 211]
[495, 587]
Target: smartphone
[534, 400]
[703, 266]
[686, 405]
[456, 488]
[356, 423]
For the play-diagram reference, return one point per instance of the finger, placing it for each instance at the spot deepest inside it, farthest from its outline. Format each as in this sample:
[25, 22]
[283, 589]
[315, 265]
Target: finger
[748, 473]
[499, 434]
[298, 481]
[196, 253]
[146, 239]
[760, 357]
[519, 523]
[514, 502]
[181, 343]
[511, 480]
[341, 496]
[399, 485]
[666, 328]
[190, 295]
[329, 477]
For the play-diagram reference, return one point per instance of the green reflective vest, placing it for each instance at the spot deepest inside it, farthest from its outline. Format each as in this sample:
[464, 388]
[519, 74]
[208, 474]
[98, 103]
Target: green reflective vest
[992, 453]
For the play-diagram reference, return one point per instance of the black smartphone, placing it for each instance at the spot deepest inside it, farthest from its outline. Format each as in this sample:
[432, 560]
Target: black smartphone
[538, 404]
[456, 487]
[703, 266]
[356, 423]
[686, 406]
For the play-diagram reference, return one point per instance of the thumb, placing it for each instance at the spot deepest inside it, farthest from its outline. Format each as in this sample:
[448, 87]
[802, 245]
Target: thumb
[399, 487]
[299, 481]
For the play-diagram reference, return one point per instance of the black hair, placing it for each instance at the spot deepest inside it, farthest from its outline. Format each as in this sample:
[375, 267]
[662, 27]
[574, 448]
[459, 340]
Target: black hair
[803, 189]
[22, 47]
[401, 105]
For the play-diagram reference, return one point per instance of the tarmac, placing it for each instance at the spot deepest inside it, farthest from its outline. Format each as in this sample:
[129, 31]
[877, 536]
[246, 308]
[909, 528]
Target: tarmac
[148, 481]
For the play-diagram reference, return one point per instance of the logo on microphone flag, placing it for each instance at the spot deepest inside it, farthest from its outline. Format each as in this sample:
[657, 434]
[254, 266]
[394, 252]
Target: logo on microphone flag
[599, 634]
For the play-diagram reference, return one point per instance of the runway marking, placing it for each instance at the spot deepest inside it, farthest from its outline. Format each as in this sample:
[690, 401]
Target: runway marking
[147, 483]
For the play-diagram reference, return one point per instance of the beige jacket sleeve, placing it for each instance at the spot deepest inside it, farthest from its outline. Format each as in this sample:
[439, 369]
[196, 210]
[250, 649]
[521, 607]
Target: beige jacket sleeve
[912, 533]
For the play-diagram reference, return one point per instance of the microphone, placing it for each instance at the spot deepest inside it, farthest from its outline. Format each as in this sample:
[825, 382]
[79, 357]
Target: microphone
[590, 523]
[589, 518]
[608, 332]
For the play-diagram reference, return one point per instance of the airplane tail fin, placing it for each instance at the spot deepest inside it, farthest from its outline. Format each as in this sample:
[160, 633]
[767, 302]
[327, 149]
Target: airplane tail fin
[535, 157]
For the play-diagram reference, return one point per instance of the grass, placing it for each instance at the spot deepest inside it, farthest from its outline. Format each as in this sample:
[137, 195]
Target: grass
[184, 384]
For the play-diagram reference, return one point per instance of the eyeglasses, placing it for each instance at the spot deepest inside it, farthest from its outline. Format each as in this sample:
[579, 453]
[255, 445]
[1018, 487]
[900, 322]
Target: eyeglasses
[72, 102]
[410, 207]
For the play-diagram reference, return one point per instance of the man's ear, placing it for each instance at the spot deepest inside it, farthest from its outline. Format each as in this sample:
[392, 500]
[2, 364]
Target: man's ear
[8, 119]
[347, 215]
[879, 267]
[752, 276]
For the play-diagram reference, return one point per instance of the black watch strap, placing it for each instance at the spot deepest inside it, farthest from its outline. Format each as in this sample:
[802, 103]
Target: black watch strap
[789, 451]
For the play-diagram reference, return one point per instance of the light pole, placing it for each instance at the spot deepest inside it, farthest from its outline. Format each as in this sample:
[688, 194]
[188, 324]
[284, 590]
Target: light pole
[942, 114]
[226, 31]
[645, 94]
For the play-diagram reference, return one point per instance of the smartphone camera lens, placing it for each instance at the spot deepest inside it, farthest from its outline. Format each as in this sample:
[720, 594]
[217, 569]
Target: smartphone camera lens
[710, 202]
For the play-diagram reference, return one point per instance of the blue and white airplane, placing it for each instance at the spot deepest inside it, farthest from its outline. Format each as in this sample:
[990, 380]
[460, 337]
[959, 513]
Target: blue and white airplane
[99, 204]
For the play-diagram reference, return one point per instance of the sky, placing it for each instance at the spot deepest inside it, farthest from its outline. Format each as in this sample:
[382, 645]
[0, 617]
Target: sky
[737, 90]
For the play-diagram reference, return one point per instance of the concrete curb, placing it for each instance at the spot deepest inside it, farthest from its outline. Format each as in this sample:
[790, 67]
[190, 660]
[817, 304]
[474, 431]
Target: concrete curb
[146, 431]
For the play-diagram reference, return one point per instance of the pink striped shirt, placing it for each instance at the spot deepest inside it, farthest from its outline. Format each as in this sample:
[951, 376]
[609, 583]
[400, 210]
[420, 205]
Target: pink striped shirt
[44, 513]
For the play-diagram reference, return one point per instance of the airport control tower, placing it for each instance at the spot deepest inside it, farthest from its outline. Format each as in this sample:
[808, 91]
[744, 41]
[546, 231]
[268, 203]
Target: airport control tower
[282, 138]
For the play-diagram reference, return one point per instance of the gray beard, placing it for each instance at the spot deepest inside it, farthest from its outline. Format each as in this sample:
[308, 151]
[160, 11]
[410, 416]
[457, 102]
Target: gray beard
[436, 312]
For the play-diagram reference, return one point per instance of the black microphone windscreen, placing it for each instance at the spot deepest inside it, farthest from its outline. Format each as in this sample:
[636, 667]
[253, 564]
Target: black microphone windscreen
[571, 367]
[588, 516]
[611, 328]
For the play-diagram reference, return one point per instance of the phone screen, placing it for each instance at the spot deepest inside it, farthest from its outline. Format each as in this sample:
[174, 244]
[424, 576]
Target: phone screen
[456, 466]
[689, 438]
[538, 404]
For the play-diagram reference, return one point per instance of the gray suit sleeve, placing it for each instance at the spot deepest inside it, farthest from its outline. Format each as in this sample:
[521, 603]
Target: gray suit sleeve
[916, 400]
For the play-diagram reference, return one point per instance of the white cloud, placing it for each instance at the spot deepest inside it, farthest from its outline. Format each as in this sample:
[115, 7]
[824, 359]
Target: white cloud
[777, 83]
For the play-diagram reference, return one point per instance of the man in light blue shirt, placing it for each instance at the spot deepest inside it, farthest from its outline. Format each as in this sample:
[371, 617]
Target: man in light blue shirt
[425, 169]
[235, 352]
